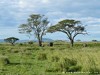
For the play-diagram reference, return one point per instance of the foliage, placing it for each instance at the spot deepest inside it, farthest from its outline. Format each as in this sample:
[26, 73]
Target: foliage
[30, 42]
[66, 65]
[42, 56]
[37, 24]
[11, 40]
[55, 59]
[4, 60]
[71, 28]
[74, 69]
[69, 65]
[94, 70]
[51, 44]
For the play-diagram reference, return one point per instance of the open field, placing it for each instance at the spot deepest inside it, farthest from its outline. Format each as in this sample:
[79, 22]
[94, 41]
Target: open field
[25, 59]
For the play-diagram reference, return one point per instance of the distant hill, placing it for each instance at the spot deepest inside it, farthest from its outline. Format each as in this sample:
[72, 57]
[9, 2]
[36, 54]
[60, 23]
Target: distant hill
[1, 40]
[47, 40]
[44, 40]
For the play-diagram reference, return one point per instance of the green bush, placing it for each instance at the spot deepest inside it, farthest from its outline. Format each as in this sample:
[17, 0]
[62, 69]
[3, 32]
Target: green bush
[52, 67]
[28, 53]
[69, 65]
[52, 70]
[69, 62]
[4, 60]
[64, 65]
[42, 56]
[94, 70]
[52, 49]
[55, 58]
[14, 51]
[74, 68]
[30, 42]
[20, 44]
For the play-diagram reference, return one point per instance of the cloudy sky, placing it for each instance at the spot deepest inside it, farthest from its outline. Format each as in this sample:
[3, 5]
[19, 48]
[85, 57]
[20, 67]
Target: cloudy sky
[15, 12]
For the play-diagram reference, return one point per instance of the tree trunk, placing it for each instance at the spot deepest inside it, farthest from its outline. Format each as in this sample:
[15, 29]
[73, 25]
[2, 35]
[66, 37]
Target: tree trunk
[72, 42]
[40, 43]
[39, 40]
[12, 44]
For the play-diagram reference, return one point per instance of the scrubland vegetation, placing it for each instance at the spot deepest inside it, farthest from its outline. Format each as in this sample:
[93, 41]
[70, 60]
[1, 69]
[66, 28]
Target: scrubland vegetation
[61, 59]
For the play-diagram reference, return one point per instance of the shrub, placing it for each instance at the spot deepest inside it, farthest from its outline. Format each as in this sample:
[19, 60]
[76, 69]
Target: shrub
[64, 65]
[29, 48]
[20, 44]
[32, 48]
[4, 60]
[94, 70]
[51, 44]
[30, 42]
[55, 58]
[52, 67]
[52, 70]
[69, 65]
[15, 51]
[85, 45]
[42, 56]
[70, 62]
[74, 68]
[28, 53]
[52, 49]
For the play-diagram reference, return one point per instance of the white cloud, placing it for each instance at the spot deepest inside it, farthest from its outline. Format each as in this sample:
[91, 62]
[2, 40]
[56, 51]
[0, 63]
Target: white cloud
[45, 1]
[22, 4]
[15, 12]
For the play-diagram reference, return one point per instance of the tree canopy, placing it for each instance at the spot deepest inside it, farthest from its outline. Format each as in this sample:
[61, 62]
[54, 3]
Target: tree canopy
[70, 27]
[37, 24]
[11, 40]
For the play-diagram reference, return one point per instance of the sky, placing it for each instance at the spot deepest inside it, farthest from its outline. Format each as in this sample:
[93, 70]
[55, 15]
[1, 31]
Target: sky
[15, 12]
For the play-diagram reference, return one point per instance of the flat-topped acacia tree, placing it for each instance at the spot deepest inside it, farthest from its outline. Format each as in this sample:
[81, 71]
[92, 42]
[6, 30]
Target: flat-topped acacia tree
[37, 24]
[11, 40]
[71, 28]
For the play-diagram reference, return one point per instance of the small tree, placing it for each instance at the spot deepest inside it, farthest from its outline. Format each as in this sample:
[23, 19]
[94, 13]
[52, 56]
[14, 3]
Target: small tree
[70, 27]
[38, 24]
[11, 40]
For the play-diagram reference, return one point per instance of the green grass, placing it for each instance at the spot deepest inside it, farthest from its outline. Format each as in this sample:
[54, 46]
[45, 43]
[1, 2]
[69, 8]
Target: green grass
[33, 60]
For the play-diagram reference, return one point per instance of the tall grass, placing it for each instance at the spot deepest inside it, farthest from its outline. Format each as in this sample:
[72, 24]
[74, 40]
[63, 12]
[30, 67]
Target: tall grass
[33, 60]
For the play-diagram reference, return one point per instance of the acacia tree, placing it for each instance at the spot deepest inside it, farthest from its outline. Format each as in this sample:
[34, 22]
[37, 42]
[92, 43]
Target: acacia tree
[70, 27]
[37, 24]
[11, 40]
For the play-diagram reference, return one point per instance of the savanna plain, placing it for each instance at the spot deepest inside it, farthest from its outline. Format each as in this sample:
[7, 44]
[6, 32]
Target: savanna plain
[60, 59]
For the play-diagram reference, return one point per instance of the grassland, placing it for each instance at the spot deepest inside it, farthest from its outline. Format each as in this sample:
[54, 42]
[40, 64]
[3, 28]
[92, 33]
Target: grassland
[25, 59]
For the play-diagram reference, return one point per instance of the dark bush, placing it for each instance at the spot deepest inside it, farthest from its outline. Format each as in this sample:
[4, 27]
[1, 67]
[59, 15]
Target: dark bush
[70, 62]
[30, 42]
[74, 68]
[55, 58]
[15, 51]
[52, 67]
[64, 65]
[52, 70]
[52, 48]
[85, 45]
[69, 65]
[51, 44]
[94, 70]
[4, 60]
[20, 44]
[42, 56]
